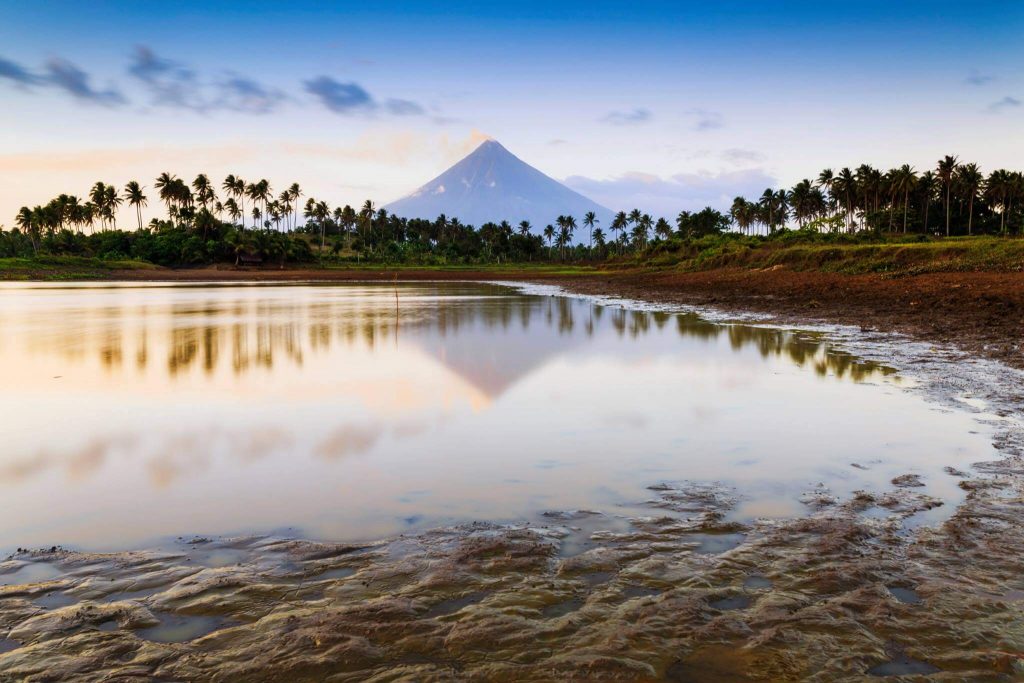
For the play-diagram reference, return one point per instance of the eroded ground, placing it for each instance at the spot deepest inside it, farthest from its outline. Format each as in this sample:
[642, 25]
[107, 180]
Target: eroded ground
[681, 594]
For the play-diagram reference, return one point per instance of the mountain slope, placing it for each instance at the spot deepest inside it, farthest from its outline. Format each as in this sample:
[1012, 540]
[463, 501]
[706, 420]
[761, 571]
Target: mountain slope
[492, 184]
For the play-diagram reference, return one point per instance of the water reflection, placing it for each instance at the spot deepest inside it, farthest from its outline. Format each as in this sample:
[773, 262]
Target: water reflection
[360, 410]
[254, 334]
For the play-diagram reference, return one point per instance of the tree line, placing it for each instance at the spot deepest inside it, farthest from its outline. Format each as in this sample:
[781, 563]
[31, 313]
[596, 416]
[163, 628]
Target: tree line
[952, 199]
[247, 221]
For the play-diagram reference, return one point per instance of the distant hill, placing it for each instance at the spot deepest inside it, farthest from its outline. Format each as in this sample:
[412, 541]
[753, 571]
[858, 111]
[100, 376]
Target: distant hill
[492, 184]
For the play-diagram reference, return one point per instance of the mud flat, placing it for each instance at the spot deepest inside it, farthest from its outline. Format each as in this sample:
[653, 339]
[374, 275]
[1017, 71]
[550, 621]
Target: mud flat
[861, 587]
[681, 594]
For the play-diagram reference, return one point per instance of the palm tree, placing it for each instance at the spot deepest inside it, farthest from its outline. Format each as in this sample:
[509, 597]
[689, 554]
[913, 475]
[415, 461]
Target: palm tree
[234, 211]
[294, 192]
[165, 184]
[970, 179]
[549, 234]
[768, 204]
[111, 200]
[662, 229]
[589, 221]
[945, 171]
[619, 223]
[845, 184]
[904, 181]
[204, 190]
[235, 187]
[926, 185]
[524, 228]
[997, 190]
[133, 193]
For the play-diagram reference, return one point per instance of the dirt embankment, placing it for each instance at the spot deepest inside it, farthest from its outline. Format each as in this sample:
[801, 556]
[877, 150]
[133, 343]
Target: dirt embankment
[981, 312]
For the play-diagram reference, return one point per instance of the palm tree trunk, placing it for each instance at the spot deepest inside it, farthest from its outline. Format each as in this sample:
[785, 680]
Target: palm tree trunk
[947, 210]
[906, 201]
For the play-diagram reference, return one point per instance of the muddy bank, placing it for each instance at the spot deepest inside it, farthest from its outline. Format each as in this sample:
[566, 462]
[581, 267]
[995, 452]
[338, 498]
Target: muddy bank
[680, 594]
[981, 313]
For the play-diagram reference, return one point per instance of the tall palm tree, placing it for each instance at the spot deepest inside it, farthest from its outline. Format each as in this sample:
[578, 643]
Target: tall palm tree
[549, 234]
[234, 186]
[904, 181]
[294, 193]
[133, 193]
[619, 224]
[926, 186]
[524, 228]
[997, 190]
[165, 185]
[111, 201]
[663, 229]
[768, 205]
[969, 179]
[205, 194]
[945, 171]
[845, 184]
[589, 221]
[234, 211]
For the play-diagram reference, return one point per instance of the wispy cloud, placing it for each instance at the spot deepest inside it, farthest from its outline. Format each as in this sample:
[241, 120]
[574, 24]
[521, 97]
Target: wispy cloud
[628, 118]
[978, 78]
[16, 73]
[1005, 103]
[341, 98]
[173, 84]
[170, 83]
[351, 98]
[245, 95]
[404, 108]
[704, 119]
[668, 196]
[741, 157]
[65, 76]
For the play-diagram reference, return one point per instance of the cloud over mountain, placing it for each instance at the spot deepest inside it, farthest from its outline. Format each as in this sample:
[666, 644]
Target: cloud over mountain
[668, 196]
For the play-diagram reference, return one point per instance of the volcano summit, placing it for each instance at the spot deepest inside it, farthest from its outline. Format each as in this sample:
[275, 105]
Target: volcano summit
[492, 184]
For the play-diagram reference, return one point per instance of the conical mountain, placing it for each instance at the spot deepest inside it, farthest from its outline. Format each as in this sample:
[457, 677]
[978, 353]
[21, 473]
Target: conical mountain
[492, 184]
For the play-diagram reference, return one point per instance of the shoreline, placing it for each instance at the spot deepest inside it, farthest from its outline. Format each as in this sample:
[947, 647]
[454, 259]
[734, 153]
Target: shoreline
[980, 312]
[855, 589]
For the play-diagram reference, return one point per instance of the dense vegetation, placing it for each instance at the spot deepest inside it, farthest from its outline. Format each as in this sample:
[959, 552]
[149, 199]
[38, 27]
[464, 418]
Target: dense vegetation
[247, 224]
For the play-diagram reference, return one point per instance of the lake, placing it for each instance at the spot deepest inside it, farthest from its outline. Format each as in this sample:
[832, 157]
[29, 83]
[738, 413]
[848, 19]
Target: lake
[136, 413]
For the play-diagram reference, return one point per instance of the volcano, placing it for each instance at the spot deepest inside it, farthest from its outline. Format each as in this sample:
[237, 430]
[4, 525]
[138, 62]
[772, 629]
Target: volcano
[494, 185]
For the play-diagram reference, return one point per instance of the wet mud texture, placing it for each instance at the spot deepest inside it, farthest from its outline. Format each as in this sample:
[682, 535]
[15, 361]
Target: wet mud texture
[680, 595]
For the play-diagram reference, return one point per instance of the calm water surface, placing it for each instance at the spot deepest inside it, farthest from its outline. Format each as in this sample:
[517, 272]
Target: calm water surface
[133, 413]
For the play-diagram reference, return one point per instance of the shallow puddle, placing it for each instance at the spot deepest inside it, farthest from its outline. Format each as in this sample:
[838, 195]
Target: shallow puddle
[903, 666]
[55, 600]
[453, 605]
[334, 574]
[560, 609]
[905, 595]
[757, 582]
[31, 572]
[6, 645]
[257, 408]
[180, 628]
[731, 603]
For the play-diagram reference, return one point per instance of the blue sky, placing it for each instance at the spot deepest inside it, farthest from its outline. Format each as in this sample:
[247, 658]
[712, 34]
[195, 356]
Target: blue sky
[664, 106]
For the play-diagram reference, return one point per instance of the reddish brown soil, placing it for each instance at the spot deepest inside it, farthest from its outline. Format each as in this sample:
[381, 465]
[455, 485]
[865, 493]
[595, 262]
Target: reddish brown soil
[981, 312]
